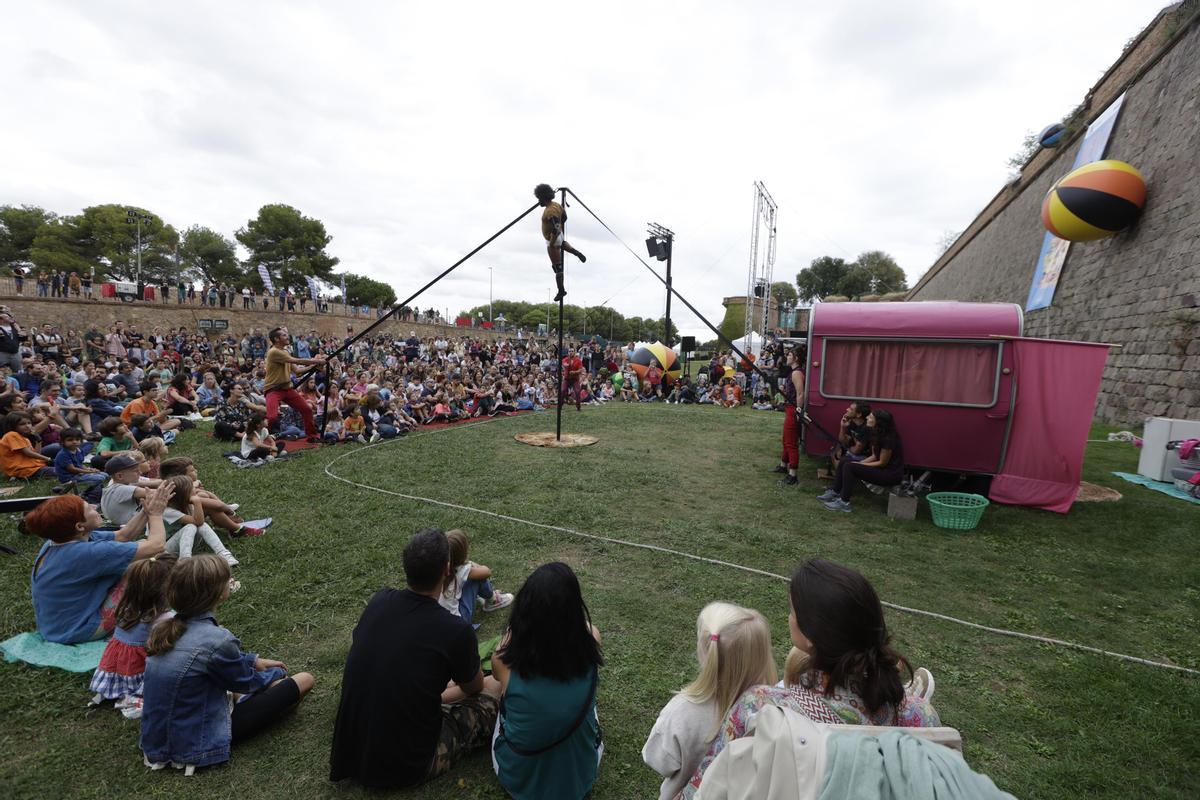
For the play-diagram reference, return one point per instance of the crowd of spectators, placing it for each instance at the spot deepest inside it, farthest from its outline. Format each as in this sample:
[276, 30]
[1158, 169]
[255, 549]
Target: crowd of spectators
[98, 410]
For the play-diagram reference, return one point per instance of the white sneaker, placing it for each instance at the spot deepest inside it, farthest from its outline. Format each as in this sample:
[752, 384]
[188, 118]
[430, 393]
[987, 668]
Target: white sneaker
[375, 437]
[839, 504]
[499, 600]
[229, 559]
[361, 439]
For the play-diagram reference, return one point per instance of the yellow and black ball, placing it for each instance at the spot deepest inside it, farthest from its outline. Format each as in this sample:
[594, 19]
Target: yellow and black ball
[1094, 201]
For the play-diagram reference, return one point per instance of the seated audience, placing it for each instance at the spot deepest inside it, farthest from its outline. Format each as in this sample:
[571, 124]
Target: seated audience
[398, 723]
[193, 664]
[548, 741]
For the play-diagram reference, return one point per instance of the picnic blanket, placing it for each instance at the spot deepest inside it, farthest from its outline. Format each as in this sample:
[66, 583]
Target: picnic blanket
[1166, 487]
[36, 651]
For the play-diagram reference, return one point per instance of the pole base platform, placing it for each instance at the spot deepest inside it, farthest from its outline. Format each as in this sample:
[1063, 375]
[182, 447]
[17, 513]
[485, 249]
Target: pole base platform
[547, 439]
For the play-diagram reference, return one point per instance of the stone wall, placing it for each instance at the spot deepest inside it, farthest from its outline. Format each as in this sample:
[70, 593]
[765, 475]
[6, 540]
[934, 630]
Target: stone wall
[1139, 289]
[81, 314]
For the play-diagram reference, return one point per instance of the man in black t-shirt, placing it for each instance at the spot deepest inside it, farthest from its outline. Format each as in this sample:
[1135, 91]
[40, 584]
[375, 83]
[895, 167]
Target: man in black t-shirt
[397, 723]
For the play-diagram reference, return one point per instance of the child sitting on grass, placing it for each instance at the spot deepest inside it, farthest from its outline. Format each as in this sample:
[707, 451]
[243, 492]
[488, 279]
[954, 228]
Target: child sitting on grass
[257, 442]
[355, 425]
[124, 491]
[192, 666]
[223, 515]
[69, 466]
[333, 427]
[184, 518]
[123, 664]
[733, 647]
[469, 581]
[18, 457]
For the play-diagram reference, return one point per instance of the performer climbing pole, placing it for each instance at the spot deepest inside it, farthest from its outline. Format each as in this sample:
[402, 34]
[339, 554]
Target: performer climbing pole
[554, 231]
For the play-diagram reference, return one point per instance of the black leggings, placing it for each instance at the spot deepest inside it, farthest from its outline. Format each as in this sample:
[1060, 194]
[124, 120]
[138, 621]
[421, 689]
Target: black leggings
[849, 472]
[263, 709]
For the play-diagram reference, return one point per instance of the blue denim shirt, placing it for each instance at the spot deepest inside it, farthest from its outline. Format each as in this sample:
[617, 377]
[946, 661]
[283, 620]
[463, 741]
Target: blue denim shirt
[185, 712]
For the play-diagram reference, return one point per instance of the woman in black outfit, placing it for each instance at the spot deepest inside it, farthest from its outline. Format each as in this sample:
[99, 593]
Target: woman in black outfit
[883, 467]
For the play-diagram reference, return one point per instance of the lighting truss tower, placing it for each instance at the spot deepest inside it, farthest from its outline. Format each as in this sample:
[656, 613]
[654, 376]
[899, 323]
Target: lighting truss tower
[762, 265]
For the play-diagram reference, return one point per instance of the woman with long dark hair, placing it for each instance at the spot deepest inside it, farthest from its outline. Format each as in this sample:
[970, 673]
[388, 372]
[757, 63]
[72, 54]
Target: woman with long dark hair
[548, 741]
[792, 381]
[837, 622]
[884, 466]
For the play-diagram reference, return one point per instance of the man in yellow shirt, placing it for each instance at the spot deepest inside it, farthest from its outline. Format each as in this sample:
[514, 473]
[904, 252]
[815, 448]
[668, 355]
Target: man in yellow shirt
[277, 385]
[554, 220]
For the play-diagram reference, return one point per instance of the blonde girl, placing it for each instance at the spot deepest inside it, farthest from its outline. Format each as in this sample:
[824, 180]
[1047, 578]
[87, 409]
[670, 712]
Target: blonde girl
[155, 450]
[733, 648]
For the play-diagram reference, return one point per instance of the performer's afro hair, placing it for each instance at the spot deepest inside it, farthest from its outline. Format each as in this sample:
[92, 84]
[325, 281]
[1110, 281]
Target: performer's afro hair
[544, 191]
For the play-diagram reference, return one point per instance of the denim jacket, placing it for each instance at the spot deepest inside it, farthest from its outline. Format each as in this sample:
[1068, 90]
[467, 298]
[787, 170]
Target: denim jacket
[186, 711]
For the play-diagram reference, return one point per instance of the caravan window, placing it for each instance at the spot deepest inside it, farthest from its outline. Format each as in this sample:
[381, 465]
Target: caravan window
[958, 373]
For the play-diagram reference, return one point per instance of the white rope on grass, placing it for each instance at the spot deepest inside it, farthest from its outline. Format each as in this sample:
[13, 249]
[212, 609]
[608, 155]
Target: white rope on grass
[718, 562]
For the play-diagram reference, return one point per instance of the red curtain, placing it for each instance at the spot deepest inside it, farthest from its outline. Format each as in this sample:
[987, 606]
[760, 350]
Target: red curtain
[938, 372]
[1057, 384]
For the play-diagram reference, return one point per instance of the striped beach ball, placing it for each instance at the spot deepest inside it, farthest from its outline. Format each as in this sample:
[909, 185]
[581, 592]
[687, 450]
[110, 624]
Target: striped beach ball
[1094, 201]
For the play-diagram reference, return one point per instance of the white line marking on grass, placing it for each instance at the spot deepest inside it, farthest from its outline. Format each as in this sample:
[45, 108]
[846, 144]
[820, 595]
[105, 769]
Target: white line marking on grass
[716, 561]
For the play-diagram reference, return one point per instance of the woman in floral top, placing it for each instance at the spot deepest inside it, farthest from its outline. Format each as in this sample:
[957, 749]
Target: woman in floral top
[852, 674]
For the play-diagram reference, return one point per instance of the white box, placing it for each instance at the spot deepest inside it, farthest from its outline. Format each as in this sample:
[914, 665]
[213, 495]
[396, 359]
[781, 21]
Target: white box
[1156, 461]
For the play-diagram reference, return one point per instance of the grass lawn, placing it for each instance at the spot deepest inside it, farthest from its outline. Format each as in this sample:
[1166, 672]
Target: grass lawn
[1042, 721]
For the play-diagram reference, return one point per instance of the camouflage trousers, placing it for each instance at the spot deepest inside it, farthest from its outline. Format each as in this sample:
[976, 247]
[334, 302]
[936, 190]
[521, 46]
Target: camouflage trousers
[466, 725]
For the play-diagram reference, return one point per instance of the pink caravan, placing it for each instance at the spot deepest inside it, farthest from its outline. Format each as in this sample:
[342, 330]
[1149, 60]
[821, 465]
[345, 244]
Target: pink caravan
[949, 373]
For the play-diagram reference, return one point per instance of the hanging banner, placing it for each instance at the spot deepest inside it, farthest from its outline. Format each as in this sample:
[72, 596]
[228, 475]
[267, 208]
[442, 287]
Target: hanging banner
[343, 289]
[266, 278]
[1054, 251]
[313, 287]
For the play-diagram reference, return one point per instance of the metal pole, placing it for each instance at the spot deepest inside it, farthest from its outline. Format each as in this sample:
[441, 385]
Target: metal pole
[490, 295]
[559, 353]
[138, 277]
[667, 321]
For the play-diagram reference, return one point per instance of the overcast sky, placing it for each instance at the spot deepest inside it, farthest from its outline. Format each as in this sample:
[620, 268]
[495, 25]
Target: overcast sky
[416, 130]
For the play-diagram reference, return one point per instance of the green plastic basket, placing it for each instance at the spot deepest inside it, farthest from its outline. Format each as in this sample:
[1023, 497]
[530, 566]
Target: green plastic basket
[956, 510]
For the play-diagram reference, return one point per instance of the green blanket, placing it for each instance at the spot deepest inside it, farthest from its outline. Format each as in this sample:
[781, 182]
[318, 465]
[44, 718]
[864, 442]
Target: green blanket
[33, 649]
[897, 766]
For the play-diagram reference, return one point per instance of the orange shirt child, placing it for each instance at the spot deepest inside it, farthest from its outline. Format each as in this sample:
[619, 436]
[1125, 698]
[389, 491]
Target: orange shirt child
[15, 463]
[139, 405]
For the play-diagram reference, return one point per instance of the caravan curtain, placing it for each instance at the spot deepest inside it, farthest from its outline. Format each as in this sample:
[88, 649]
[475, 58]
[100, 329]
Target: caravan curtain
[958, 373]
[1057, 384]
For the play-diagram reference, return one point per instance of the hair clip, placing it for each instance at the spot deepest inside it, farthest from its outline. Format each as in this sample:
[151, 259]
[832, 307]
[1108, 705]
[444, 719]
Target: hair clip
[713, 637]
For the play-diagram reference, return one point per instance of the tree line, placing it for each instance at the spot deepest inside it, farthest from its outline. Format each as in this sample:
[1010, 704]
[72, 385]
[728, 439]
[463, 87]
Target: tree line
[103, 240]
[603, 321]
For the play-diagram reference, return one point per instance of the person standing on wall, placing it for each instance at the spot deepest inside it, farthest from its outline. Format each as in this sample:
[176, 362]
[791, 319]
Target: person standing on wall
[793, 395]
[553, 220]
[278, 383]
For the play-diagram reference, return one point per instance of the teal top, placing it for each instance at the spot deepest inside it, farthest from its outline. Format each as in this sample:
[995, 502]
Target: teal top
[537, 712]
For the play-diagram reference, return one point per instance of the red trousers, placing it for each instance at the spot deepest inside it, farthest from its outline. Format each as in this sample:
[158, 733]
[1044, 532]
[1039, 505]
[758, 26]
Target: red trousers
[572, 389]
[791, 438]
[296, 401]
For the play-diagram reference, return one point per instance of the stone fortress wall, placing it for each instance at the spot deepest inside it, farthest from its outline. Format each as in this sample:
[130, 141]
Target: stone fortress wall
[1139, 289]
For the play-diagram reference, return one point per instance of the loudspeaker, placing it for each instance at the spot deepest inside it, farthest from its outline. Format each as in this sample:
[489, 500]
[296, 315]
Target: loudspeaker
[688, 344]
[658, 248]
[759, 290]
